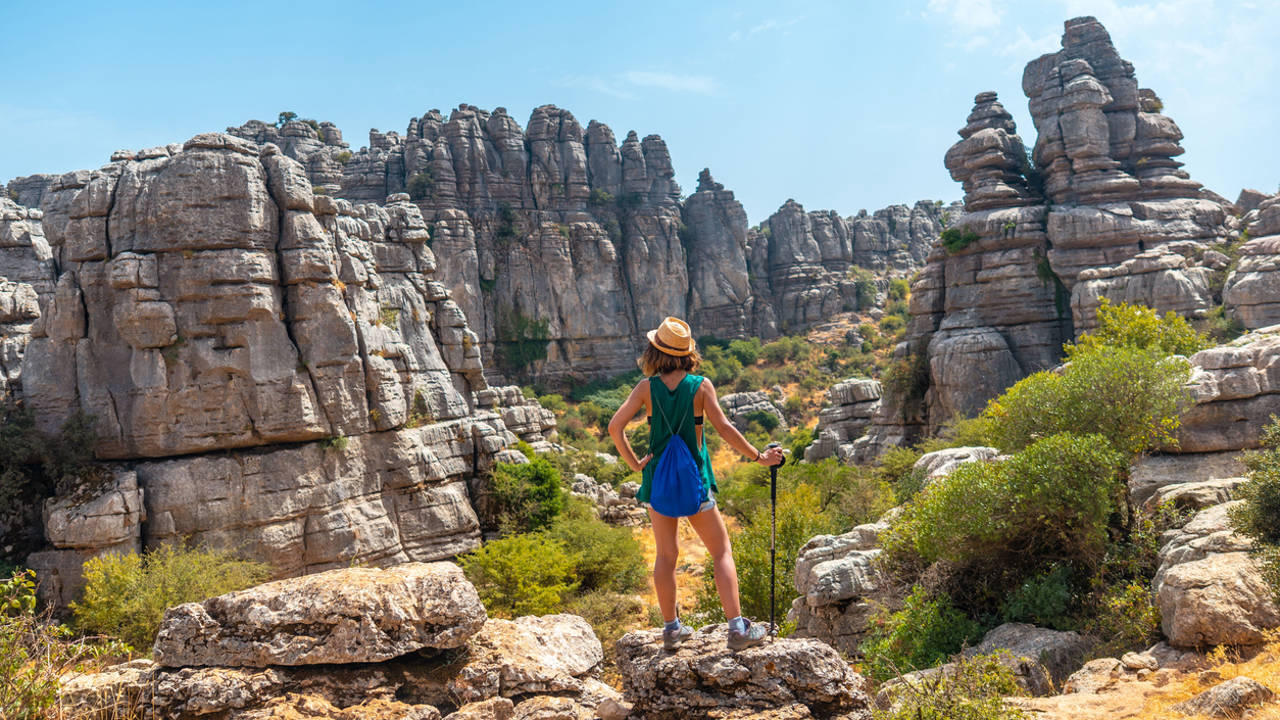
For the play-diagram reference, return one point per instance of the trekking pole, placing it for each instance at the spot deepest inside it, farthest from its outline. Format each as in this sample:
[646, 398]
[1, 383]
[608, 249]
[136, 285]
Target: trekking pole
[773, 538]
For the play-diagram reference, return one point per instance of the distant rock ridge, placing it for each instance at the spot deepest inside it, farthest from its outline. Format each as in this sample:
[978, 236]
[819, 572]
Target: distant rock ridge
[565, 243]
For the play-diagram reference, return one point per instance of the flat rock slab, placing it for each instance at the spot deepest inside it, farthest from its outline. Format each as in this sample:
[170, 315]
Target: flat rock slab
[703, 678]
[349, 615]
[531, 654]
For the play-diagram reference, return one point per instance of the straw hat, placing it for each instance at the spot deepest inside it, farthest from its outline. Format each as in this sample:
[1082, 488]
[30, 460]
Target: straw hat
[672, 337]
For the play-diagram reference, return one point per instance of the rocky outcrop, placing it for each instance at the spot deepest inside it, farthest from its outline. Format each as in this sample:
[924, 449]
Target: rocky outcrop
[26, 279]
[1234, 394]
[1250, 293]
[1099, 208]
[353, 615]
[273, 651]
[704, 679]
[563, 246]
[1209, 589]
[851, 405]
[743, 406]
[1228, 699]
[612, 506]
[103, 518]
[841, 586]
[941, 463]
[281, 369]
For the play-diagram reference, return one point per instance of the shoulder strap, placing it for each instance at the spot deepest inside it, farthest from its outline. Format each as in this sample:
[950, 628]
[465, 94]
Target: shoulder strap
[662, 413]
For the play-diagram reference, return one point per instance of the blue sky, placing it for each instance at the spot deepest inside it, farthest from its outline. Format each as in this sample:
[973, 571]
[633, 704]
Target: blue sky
[841, 105]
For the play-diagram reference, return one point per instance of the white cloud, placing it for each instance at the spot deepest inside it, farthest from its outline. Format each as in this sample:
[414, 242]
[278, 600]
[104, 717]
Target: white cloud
[767, 25]
[626, 85]
[969, 15]
[697, 84]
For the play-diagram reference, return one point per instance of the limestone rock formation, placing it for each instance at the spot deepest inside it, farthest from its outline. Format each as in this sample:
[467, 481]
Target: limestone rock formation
[841, 586]
[704, 679]
[740, 407]
[1229, 699]
[851, 405]
[1251, 291]
[352, 615]
[1099, 209]
[617, 508]
[941, 463]
[1153, 476]
[1208, 587]
[552, 238]
[532, 667]
[1234, 394]
[99, 520]
[281, 369]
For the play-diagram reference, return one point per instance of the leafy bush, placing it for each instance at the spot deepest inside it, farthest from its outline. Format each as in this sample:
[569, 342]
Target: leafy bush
[126, 595]
[746, 351]
[1259, 516]
[899, 289]
[1126, 325]
[1133, 396]
[1049, 503]
[908, 378]
[521, 340]
[604, 557]
[955, 239]
[527, 574]
[799, 519]
[1042, 600]
[1123, 617]
[864, 286]
[896, 467]
[528, 496]
[800, 439]
[921, 635]
[599, 198]
[419, 186]
[974, 689]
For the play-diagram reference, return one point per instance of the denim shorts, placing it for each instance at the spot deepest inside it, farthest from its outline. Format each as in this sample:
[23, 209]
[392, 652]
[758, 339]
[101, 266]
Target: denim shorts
[710, 503]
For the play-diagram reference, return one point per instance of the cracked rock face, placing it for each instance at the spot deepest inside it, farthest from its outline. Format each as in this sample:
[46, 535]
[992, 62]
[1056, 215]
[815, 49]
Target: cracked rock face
[352, 615]
[1101, 209]
[281, 369]
[703, 678]
[553, 223]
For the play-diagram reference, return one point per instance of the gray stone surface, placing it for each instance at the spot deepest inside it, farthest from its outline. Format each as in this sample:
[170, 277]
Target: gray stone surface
[1234, 394]
[740, 406]
[705, 677]
[851, 405]
[351, 615]
[1208, 587]
[841, 586]
[1228, 699]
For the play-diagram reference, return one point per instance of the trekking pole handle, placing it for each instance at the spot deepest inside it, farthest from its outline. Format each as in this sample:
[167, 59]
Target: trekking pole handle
[774, 468]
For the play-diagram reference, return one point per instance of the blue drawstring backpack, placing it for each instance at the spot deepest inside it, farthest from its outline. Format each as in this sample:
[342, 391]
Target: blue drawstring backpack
[676, 488]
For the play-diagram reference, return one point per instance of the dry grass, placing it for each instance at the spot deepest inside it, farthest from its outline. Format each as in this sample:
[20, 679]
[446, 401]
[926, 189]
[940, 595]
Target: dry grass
[1223, 664]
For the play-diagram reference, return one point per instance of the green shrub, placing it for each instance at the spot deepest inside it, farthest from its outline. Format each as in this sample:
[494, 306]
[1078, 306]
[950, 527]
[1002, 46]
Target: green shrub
[1133, 396]
[974, 689]
[864, 287]
[419, 186]
[1259, 516]
[599, 198]
[527, 496]
[785, 348]
[899, 289]
[908, 378]
[799, 439]
[924, 633]
[799, 519]
[746, 351]
[604, 557]
[955, 239]
[1126, 325]
[1043, 600]
[896, 467]
[521, 340]
[526, 574]
[1049, 503]
[1123, 617]
[125, 596]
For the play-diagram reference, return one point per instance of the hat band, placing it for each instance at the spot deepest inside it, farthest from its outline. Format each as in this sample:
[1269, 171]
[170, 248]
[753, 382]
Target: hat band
[658, 341]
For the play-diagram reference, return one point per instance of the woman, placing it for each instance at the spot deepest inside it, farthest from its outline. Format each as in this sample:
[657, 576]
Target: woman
[682, 400]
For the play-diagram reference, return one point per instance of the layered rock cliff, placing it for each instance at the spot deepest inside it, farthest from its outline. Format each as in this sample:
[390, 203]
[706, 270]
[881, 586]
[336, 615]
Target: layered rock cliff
[1098, 208]
[563, 246]
[270, 369]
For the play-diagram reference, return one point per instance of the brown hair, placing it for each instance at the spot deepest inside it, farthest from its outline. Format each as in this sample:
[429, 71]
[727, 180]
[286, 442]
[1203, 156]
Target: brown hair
[655, 362]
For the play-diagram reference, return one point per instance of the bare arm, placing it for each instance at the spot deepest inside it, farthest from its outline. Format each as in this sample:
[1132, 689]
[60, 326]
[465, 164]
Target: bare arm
[618, 426]
[715, 415]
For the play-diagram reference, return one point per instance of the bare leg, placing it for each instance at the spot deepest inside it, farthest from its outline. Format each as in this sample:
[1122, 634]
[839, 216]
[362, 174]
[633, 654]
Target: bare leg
[710, 527]
[666, 552]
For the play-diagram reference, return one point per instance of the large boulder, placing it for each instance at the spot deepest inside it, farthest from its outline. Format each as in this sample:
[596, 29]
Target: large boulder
[704, 677]
[1208, 587]
[528, 655]
[1228, 699]
[1235, 393]
[341, 616]
[851, 404]
[841, 586]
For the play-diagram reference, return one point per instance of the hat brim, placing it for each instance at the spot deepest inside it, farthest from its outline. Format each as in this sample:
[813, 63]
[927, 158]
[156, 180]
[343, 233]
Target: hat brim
[662, 347]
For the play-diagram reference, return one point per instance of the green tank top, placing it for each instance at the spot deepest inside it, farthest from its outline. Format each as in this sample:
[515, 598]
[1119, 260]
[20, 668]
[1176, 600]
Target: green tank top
[677, 407]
